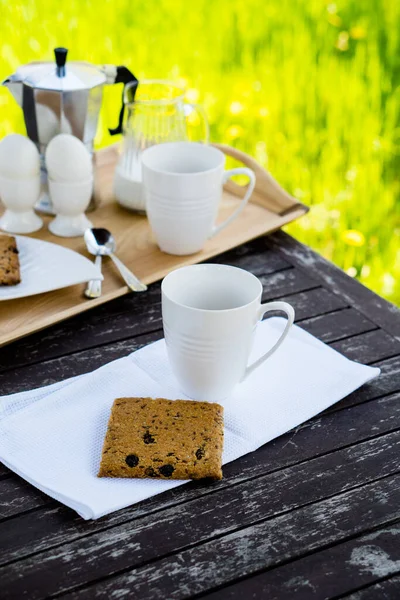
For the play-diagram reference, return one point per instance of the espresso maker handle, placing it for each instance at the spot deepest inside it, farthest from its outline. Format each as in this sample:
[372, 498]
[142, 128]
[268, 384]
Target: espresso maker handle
[123, 75]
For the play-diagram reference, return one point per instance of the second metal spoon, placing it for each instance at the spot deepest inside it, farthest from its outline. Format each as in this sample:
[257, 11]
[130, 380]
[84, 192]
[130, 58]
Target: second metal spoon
[100, 242]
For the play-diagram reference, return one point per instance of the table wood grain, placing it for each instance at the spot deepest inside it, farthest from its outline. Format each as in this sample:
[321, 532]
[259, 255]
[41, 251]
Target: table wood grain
[313, 514]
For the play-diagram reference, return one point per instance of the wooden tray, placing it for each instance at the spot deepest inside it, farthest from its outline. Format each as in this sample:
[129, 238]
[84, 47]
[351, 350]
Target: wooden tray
[270, 207]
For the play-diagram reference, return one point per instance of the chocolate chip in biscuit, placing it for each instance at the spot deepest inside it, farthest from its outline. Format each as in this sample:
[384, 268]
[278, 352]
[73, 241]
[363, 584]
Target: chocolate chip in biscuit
[200, 453]
[148, 438]
[132, 460]
[166, 470]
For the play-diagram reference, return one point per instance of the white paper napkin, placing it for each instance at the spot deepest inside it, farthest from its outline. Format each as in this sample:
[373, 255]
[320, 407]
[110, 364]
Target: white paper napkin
[53, 436]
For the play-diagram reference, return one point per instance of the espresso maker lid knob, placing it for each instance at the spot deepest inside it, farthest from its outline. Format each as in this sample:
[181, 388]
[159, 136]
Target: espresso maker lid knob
[61, 59]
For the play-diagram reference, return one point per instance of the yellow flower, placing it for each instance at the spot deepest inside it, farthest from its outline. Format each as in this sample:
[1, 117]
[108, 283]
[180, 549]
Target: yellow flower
[194, 118]
[377, 144]
[263, 112]
[353, 237]
[192, 95]
[34, 45]
[351, 174]
[236, 108]
[373, 240]
[299, 193]
[234, 131]
[365, 270]
[334, 20]
[352, 271]
[182, 82]
[388, 283]
[358, 33]
[342, 43]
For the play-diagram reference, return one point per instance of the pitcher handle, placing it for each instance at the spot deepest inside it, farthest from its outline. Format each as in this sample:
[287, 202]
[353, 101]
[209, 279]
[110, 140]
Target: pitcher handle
[123, 75]
[189, 108]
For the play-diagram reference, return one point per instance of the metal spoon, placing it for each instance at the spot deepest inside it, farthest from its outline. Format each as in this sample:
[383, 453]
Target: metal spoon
[99, 241]
[93, 288]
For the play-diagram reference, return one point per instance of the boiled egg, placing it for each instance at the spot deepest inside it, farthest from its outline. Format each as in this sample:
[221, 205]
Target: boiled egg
[68, 160]
[19, 157]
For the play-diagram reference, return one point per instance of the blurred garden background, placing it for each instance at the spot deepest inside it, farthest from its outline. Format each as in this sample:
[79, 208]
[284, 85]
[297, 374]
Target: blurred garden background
[310, 88]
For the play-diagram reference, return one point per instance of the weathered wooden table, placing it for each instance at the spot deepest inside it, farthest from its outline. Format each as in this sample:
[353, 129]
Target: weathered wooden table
[313, 514]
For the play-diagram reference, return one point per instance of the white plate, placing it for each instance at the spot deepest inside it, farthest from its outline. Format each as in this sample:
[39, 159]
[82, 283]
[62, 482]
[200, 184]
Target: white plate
[46, 267]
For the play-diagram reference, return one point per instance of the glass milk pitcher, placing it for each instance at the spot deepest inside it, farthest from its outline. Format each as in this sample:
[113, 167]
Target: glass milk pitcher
[155, 113]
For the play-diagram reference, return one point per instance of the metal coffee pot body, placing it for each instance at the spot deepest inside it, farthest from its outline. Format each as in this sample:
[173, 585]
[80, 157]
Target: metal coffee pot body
[63, 97]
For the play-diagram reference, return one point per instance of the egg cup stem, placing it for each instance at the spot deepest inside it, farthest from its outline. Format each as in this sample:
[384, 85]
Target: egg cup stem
[65, 226]
[20, 222]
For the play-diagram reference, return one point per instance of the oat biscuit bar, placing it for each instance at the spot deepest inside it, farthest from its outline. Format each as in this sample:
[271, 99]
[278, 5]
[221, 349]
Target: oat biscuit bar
[9, 261]
[167, 439]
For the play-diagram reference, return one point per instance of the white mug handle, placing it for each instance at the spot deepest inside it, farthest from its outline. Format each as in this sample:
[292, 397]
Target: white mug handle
[264, 308]
[227, 175]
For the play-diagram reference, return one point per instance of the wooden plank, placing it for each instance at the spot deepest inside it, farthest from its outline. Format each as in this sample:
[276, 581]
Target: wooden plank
[286, 282]
[385, 590]
[369, 347]
[337, 325]
[325, 574]
[130, 316]
[381, 312]
[58, 369]
[250, 549]
[387, 383]
[315, 438]
[314, 302]
[238, 507]
[255, 256]
[16, 496]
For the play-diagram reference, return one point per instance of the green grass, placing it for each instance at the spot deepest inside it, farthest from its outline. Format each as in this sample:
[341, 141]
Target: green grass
[311, 88]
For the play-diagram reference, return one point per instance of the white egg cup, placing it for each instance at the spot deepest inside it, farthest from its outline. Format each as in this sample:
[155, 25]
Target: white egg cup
[70, 200]
[19, 197]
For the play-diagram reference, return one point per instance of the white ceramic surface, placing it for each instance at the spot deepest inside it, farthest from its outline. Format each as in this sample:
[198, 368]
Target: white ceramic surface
[210, 313]
[19, 197]
[70, 226]
[70, 200]
[26, 222]
[183, 187]
[46, 267]
[128, 189]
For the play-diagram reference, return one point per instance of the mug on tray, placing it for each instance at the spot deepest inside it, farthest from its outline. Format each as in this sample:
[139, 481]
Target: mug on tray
[183, 187]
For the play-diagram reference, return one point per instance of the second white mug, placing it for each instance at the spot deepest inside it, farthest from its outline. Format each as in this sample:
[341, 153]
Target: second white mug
[183, 187]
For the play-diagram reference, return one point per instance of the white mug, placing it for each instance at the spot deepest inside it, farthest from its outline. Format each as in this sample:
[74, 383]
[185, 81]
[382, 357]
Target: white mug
[183, 188]
[210, 313]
